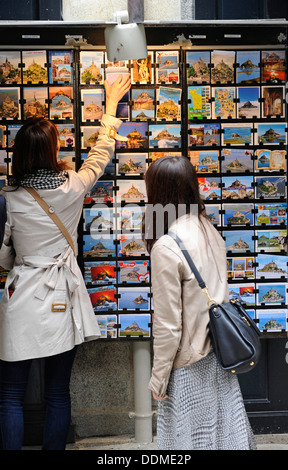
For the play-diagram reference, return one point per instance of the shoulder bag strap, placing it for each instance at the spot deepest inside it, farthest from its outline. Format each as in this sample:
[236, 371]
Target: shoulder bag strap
[193, 268]
[53, 216]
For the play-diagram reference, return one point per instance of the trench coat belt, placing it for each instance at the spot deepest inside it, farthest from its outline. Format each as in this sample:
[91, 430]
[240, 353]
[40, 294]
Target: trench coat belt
[57, 276]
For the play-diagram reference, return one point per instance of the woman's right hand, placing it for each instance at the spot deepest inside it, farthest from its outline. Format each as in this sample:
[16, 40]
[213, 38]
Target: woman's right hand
[115, 92]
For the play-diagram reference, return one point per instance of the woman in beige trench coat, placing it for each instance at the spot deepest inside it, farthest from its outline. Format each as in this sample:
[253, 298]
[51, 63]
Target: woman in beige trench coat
[45, 310]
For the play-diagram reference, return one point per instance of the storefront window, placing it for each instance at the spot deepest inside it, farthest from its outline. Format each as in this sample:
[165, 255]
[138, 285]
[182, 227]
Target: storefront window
[246, 9]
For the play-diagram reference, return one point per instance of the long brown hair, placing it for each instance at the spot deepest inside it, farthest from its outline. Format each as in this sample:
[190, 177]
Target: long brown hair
[35, 148]
[170, 180]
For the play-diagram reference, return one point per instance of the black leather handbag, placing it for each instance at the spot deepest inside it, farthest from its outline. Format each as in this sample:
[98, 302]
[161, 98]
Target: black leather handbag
[234, 335]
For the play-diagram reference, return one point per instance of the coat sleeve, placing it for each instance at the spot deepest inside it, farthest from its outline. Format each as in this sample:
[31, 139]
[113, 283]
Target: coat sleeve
[7, 252]
[166, 276]
[100, 155]
[3, 217]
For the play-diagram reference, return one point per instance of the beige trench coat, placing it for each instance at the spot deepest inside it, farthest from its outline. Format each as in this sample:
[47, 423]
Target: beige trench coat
[181, 318]
[44, 269]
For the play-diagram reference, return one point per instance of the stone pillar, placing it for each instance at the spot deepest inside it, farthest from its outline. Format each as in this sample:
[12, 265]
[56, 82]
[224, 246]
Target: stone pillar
[136, 11]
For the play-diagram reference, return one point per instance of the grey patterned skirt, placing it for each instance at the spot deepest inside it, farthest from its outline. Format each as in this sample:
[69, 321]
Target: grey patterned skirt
[204, 410]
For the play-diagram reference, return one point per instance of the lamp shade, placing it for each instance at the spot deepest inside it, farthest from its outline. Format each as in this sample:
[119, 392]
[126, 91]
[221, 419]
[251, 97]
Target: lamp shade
[125, 41]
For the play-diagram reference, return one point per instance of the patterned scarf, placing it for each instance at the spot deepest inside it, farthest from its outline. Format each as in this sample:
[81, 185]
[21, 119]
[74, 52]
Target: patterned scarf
[44, 179]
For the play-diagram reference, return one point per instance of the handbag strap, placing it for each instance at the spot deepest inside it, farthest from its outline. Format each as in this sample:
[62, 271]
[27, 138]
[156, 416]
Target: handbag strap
[193, 268]
[53, 216]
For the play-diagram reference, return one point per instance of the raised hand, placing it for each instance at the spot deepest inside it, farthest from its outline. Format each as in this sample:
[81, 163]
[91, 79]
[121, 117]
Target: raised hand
[115, 92]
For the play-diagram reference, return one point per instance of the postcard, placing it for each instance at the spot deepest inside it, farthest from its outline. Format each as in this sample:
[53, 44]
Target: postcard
[240, 187]
[167, 68]
[271, 294]
[112, 73]
[271, 214]
[153, 156]
[120, 66]
[222, 66]
[102, 191]
[205, 161]
[61, 106]
[210, 188]
[272, 320]
[270, 160]
[3, 163]
[9, 103]
[89, 135]
[131, 245]
[271, 266]
[133, 325]
[240, 267]
[251, 313]
[270, 187]
[109, 169]
[245, 293]
[169, 104]
[142, 70]
[248, 105]
[237, 134]
[131, 191]
[238, 214]
[271, 241]
[10, 71]
[136, 133]
[130, 217]
[204, 134]
[3, 139]
[66, 134]
[198, 63]
[3, 275]
[12, 130]
[273, 63]
[91, 69]
[92, 104]
[35, 67]
[99, 246]
[103, 298]
[107, 325]
[248, 67]
[122, 111]
[131, 163]
[143, 104]
[223, 104]
[35, 102]
[236, 160]
[100, 272]
[99, 218]
[134, 298]
[199, 105]
[271, 133]
[60, 67]
[213, 213]
[68, 158]
[165, 135]
[133, 271]
[273, 101]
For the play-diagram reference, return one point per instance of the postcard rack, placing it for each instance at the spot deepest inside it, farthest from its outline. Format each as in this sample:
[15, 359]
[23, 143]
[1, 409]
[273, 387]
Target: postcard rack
[225, 110]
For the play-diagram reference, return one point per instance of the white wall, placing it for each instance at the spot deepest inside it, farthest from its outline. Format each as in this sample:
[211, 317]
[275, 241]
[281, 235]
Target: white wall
[102, 10]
